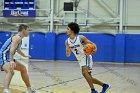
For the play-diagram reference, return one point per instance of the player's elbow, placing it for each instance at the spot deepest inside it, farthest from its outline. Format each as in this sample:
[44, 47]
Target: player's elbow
[67, 54]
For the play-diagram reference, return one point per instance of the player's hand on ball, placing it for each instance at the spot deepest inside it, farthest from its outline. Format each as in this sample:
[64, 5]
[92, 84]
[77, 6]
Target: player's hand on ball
[89, 49]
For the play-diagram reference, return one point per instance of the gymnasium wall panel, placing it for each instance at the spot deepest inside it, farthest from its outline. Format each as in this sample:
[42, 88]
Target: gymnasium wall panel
[3, 37]
[37, 45]
[132, 48]
[119, 48]
[50, 46]
[105, 44]
[110, 48]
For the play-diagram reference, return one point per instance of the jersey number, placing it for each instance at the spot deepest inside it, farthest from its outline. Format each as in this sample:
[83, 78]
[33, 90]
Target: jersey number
[76, 51]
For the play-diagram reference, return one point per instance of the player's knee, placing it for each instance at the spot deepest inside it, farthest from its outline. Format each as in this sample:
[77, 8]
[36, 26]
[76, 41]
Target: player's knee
[8, 70]
[23, 69]
[84, 72]
[11, 72]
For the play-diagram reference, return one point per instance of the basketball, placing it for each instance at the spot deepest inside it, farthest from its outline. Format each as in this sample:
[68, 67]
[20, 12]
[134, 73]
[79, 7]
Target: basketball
[89, 49]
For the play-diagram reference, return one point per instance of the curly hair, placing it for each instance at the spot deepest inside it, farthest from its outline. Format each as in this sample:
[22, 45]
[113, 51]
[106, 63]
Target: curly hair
[74, 27]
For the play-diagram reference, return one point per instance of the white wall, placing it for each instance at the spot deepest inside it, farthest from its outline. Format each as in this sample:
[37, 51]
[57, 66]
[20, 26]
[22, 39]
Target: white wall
[97, 10]
[134, 12]
[1, 7]
[44, 6]
[133, 17]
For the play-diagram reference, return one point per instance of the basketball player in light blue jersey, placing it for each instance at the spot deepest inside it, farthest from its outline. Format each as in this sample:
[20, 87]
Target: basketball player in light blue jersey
[7, 62]
[75, 43]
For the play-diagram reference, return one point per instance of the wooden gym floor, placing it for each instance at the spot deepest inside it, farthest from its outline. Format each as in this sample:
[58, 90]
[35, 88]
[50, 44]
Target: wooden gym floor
[66, 77]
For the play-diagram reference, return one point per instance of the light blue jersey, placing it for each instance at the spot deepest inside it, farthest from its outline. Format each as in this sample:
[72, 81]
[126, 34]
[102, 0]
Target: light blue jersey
[4, 51]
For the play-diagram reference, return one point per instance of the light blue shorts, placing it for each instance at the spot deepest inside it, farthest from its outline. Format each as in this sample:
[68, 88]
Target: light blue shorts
[3, 60]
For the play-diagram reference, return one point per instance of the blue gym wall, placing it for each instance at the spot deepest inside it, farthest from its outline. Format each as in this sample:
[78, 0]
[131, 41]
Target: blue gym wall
[132, 48]
[37, 45]
[105, 44]
[111, 48]
[3, 37]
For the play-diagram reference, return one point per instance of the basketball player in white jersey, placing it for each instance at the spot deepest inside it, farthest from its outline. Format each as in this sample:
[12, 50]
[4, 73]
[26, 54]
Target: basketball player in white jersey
[75, 43]
[7, 62]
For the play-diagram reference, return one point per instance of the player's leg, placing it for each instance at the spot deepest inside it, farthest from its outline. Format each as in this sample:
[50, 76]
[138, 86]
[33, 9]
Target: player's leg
[105, 87]
[8, 76]
[85, 71]
[20, 67]
[88, 78]
[96, 81]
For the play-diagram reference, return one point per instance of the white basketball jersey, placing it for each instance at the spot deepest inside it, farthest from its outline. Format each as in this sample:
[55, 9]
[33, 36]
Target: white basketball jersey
[76, 47]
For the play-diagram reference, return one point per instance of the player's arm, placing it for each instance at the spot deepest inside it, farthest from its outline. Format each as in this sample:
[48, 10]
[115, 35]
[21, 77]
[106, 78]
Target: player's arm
[86, 41]
[22, 54]
[15, 41]
[14, 44]
[68, 51]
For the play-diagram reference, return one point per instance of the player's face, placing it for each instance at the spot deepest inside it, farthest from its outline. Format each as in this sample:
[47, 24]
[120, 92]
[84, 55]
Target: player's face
[26, 32]
[69, 31]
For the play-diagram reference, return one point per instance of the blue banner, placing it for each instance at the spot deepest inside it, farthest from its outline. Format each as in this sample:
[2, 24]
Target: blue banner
[19, 8]
[19, 13]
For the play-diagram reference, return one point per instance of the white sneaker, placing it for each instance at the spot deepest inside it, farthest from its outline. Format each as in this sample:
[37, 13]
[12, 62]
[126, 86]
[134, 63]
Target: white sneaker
[6, 91]
[31, 90]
